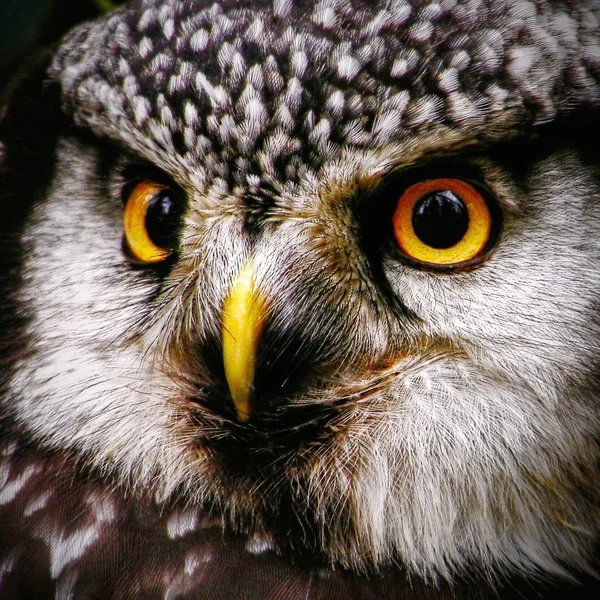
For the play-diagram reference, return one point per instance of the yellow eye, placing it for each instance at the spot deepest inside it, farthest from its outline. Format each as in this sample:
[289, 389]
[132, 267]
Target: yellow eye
[152, 214]
[442, 222]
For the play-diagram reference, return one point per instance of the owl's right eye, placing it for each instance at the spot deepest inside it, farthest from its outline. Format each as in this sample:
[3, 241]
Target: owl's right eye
[152, 215]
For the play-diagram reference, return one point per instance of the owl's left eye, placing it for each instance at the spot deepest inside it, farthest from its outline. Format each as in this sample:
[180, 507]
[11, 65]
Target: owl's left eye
[152, 215]
[441, 223]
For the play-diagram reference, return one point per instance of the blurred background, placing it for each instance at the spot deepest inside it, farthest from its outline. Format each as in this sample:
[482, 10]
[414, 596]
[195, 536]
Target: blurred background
[26, 26]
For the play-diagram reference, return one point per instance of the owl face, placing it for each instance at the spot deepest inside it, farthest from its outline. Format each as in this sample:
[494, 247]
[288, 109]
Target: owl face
[315, 295]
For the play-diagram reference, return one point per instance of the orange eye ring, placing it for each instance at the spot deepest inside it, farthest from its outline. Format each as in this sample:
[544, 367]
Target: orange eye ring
[138, 239]
[469, 209]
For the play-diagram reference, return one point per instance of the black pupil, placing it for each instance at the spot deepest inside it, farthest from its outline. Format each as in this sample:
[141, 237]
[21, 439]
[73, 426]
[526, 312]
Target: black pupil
[162, 219]
[440, 219]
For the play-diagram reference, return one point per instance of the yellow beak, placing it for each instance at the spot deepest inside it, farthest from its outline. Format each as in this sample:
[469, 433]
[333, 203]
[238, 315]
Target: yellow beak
[244, 313]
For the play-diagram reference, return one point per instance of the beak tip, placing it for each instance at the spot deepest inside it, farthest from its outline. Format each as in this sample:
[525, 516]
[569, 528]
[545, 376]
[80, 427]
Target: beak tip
[241, 402]
[243, 417]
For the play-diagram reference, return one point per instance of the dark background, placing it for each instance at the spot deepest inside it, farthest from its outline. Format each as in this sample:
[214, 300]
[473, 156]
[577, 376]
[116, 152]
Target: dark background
[26, 26]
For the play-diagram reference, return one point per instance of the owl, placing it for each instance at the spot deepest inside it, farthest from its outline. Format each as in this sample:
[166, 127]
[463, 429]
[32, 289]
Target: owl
[301, 300]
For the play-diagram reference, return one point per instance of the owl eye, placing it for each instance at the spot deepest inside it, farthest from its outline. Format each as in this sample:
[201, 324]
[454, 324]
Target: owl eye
[151, 219]
[443, 222]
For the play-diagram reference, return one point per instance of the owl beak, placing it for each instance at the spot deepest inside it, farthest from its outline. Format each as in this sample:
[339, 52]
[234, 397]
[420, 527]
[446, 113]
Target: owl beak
[244, 314]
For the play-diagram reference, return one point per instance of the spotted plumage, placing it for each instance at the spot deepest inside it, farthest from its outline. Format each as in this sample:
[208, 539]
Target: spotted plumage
[281, 88]
[301, 301]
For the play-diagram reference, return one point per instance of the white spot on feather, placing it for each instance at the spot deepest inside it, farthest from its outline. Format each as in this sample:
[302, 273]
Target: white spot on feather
[199, 41]
[448, 80]
[65, 586]
[336, 103]
[182, 522]
[147, 19]
[141, 109]
[6, 566]
[348, 67]
[145, 47]
[12, 488]
[421, 32]
[4, 472]
[325, 17]
[259, 544]
[37, 503]
[194, 559]
[169, 28]
[190, 113]
[217, 94]
[10, 449]
[67, 548]
[281, 8]
[387, 124]
[298, 63]
[522, 59]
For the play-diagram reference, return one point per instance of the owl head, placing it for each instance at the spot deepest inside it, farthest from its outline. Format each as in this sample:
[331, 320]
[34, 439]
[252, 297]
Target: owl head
[330, 269]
